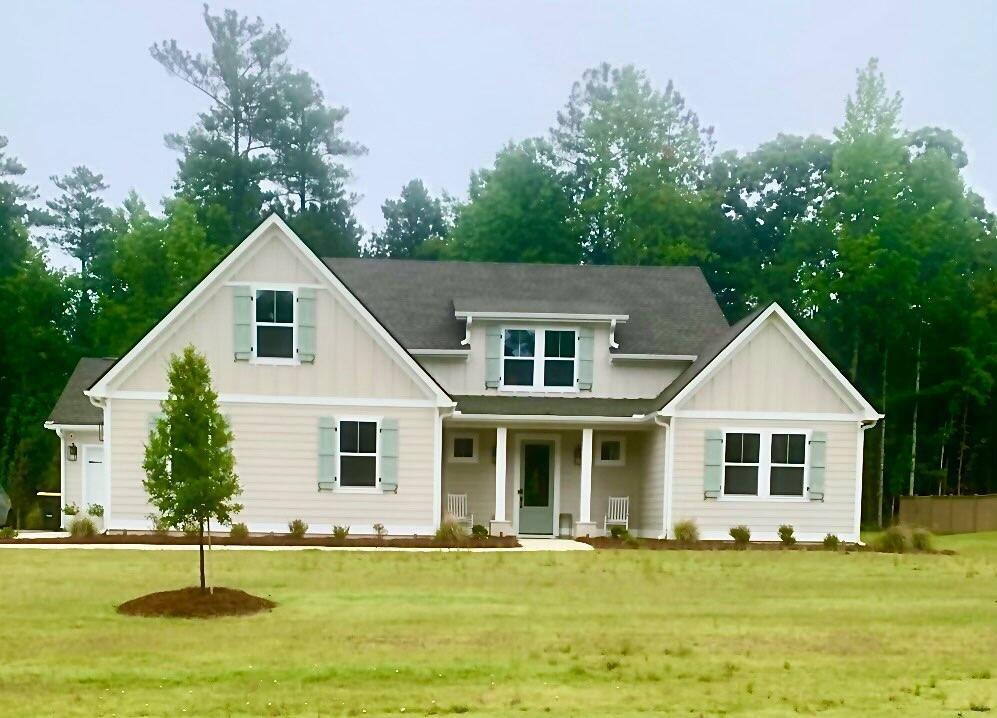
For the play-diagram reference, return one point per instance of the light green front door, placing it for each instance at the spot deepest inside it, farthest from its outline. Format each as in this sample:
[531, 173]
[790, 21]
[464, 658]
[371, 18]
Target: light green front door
[536, 494]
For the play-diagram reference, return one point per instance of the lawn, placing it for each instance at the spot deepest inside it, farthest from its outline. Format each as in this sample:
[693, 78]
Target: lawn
[575, 634]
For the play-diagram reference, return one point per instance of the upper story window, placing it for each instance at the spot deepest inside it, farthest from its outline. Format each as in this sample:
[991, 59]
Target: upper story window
[765, 464]
[275, 324]
[539, 359]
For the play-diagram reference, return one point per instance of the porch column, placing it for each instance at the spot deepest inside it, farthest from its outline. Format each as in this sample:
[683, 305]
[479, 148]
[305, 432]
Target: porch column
[500, 525]
[585, 526]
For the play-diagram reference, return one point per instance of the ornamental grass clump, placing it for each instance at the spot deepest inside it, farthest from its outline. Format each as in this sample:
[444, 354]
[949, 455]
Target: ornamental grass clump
[238, 532]
[686, 532]
[741, 535]
[297, 528]
[786, 535]
[82, 527]
[831, 542]
[922, 540]
[451, 532]
[896, 539]
[340, 532]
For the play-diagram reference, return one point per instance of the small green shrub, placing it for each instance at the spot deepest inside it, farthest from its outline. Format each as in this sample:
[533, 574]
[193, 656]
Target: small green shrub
[95, 510]
[619, 532]
[238, 532]
[159, 524]
[380, 531]
[8, 532]
[741, 535]
[297, 528]
[896, 539]
[922, 540]
[479, 531]
[451, 531]
[831, 542]
[82, 527]
[340, 532]
[631, 541]
[70, 509]
[191, 530]
[786, 535]
[686, 532]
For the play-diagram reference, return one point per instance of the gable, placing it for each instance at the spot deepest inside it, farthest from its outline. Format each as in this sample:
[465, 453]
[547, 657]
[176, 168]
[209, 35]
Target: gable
[770, 371]
[355, 356]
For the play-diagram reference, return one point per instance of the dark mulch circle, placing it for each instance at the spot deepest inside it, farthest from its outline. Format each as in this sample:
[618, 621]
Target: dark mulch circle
[196, 602]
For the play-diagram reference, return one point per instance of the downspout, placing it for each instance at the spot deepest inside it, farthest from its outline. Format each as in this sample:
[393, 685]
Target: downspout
[666, 479]
[864, 426]
[441, 413]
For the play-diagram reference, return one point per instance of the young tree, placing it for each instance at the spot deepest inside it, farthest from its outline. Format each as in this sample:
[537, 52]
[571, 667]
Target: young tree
[411, 221]
[189, 464]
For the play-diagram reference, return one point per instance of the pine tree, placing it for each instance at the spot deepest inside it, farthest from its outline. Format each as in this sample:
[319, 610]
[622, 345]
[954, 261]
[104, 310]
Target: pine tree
[189, 464]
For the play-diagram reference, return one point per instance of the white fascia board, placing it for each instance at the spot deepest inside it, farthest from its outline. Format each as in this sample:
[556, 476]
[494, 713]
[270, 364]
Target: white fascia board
[543, 316]
[71, 427]
[653, 357]
[507, 419]
[100, 389]
[766, 415]
[290, 399]
[865, 411]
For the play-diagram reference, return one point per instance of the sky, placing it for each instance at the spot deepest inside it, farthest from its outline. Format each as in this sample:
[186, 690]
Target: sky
[434, 89]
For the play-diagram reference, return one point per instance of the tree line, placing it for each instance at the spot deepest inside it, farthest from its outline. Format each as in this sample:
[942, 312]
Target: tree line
[870, 237]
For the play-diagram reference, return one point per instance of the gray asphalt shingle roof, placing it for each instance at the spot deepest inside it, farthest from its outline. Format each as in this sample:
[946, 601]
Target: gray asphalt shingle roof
[73, 407]
[672, 309]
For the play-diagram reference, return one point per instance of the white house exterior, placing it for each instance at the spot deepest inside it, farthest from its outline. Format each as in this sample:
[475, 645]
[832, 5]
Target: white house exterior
[380, 391]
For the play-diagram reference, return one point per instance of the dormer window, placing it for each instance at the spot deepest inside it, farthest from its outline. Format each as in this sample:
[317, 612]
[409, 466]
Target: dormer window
[275, 324]
[539, 359]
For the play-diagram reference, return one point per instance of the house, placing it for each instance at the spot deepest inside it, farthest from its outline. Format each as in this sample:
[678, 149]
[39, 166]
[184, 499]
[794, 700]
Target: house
[378, 391]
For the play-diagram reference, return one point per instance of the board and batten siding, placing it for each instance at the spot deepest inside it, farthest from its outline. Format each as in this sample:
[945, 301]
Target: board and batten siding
[351, 361]
[615, 380]
[769, 373]
[276, 452]
[812, 520]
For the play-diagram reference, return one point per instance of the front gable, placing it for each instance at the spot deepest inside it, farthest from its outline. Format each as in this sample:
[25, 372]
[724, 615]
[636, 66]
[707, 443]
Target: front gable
[355, 357]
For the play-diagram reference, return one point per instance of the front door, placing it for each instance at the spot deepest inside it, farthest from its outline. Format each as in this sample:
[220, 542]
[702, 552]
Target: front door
[536, 494]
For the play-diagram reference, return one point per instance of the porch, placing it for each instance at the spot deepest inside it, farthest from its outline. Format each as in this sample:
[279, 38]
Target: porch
[548, 480]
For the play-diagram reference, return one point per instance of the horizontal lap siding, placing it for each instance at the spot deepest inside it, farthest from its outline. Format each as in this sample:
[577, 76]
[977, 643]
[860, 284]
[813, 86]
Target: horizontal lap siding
[477, 480]
[810, 519]
[652, 490]
[276, 451]
[74, 469]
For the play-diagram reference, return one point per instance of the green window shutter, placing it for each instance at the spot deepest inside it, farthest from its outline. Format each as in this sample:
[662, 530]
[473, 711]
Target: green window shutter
[389, 455]
[493, 357]
[713, 463]
[327, 445]
[586, 344]
[818, 464]
[242, 301]
[306, 324]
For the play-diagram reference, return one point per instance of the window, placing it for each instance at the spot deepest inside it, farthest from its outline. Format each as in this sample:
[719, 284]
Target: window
[540, 359]
[464, 448]
[358, 453]
[610, 451]
[275, 324]
[765, 464]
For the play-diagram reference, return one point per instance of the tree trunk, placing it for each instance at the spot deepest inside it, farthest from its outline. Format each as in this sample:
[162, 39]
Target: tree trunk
[201, 551]
[962, 448]
[913, 431]
[853, 368]
[882, 442]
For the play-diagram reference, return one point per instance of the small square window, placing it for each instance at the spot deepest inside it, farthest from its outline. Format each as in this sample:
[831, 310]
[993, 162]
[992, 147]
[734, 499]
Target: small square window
[464, 448]
[610, 451]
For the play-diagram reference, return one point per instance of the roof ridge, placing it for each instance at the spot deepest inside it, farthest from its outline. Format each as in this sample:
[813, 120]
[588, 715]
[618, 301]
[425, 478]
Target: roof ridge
[413, 260]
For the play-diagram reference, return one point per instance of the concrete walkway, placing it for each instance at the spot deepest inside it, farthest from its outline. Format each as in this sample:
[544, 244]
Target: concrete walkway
[526, 545]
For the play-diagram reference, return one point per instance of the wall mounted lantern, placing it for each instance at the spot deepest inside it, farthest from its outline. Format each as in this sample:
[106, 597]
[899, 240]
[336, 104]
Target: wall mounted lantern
[71, 452]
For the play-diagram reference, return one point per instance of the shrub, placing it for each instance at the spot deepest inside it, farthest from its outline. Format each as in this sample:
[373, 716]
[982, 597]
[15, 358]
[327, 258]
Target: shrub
[921, 540]
[831, 542]
[619, 532]
[191, 530]
[70, 509]
[8, 532]
[786, 535]
[95, 510]
[340, 532]
[741, 535]
[82, 527]
[380, 531]
[239, 532]
[451, 531]
[479, 531]
[686, 532]
[159, 524]
[297, 528]
[895, 539]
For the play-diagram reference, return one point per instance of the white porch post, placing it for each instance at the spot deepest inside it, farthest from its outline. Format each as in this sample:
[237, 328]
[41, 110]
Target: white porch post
[501, 434]
[585, 527]
[500, 525]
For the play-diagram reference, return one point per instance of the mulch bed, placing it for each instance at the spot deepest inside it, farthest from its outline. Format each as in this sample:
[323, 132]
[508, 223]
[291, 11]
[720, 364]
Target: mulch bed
[196, 602]
[607, 542]
[275, 540]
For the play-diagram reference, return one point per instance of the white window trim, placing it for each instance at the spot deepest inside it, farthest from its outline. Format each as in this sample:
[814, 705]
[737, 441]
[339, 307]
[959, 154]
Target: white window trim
[765, 465]
[539, 346]
[277, 361]
[454, 459]
[376, 488]
[600, 440]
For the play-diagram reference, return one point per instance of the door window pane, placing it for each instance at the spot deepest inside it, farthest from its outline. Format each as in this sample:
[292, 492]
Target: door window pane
[536, 475]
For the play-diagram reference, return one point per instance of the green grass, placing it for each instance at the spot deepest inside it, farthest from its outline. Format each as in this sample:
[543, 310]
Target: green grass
[577, 634]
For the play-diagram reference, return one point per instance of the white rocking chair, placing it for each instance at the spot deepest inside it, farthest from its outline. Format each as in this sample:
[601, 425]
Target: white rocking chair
[457, 508]
[618, 513]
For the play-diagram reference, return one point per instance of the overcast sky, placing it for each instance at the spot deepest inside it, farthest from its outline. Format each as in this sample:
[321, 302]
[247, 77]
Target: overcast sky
[435, 88]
